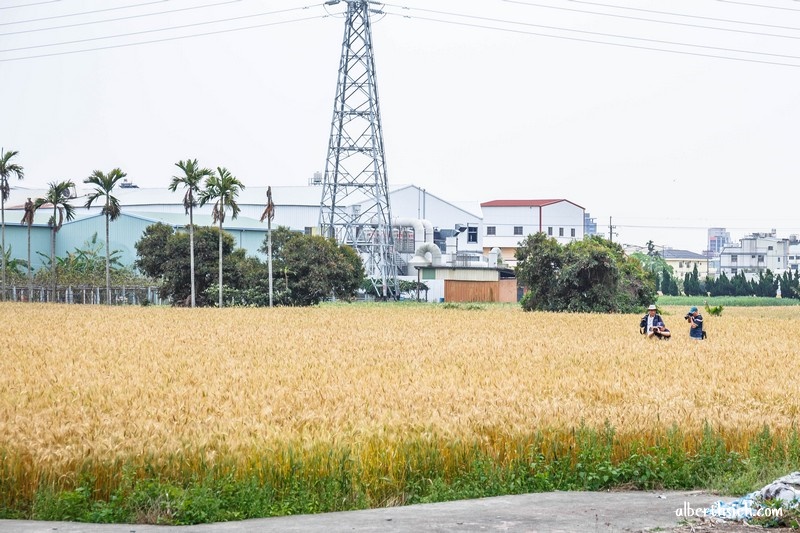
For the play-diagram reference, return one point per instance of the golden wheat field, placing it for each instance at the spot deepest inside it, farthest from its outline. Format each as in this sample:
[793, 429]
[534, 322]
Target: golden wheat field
[80, 382]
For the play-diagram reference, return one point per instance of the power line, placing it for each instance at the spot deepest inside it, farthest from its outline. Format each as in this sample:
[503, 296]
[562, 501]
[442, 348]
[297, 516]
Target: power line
[700, 26]
[723, 49]
[120, 18]
[83, 13]
[579, 39]
[142, 32]
[727, 228]
[29, 5]
[556, 28]
[700, 17]
[758, 5]
[166, 39]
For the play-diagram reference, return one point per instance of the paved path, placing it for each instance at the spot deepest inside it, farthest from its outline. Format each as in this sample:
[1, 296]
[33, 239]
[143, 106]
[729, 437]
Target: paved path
[546, 512]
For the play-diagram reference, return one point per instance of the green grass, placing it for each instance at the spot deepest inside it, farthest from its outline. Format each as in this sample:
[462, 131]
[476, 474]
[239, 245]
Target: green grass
[295, 481]
[726, 301]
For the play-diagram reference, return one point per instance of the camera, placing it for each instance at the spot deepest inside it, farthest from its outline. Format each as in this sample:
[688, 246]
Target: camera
[688, 317]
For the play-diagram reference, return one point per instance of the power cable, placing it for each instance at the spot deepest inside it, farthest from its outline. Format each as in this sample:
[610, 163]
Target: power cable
[120, 18]
[142, 32]
[700, 26]
[83, 13]
[700, 17]
[29, 5]
[758, 5]
[166, 39]
[510, 30]
[723, 49]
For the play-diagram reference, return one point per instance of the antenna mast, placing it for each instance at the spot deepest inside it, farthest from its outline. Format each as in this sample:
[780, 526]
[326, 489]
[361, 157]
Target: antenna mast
[355, 194]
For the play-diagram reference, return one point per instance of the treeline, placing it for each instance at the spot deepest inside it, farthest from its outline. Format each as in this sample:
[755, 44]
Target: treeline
[766, 284]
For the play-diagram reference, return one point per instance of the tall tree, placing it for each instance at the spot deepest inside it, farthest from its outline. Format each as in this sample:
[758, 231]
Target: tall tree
[191, 180]
[58, 196]
[7, 169]
[27, 219]
[317, 268]
[591, 275]
[164, 254]
[224, 188]
[539, 263]
[103, 188]
[269, 214]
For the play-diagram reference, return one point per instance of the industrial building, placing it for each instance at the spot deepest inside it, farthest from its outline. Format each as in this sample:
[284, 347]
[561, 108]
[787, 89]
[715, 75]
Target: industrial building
[420, 220]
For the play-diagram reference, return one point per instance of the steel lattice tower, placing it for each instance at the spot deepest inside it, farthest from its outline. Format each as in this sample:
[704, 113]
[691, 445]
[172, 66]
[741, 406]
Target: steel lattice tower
[355, 194]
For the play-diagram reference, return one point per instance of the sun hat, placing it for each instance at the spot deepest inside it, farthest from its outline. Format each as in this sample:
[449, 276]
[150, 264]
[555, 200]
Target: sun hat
[652, 308]
[693, 310]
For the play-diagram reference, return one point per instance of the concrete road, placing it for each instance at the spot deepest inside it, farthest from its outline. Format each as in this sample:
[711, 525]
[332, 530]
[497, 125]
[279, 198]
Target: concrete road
[546, 512]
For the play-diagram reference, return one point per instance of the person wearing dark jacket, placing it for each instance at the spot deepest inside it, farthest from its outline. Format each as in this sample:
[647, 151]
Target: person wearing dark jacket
[653, 325]
[695, 319]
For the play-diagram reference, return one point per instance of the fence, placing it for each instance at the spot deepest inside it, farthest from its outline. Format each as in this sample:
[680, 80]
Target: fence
[83, 294]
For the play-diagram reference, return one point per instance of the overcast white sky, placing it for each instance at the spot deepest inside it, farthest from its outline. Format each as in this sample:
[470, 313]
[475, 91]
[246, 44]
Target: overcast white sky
[480, 100]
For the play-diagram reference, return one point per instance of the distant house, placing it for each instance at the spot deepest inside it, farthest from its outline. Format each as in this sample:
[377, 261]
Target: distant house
[684, 262]
[507, 222]
[755, 254]
[794, 257]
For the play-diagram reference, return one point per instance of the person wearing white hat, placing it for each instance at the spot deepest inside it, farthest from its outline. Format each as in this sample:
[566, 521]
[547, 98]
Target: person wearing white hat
[653, 325]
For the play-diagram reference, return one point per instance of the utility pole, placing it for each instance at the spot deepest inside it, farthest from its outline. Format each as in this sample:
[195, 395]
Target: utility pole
[611, 230]
[355, 195]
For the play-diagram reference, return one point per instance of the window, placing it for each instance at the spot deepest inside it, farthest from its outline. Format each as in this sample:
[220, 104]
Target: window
[472, 234]
[307, 230]
[760, 258]
[560, 232]
[734, 259]
[572, 232]
[550, 230]
[517, 230]
[680, 264]
[769, 247]
[404, 241]
[734, 271]
[491, 230]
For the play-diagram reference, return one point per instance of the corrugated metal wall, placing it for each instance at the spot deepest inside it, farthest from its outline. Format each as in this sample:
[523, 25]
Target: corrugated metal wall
[471, 291]
[480, 291]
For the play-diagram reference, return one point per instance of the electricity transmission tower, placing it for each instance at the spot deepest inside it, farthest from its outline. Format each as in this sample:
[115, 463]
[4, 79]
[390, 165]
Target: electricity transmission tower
[355, 196]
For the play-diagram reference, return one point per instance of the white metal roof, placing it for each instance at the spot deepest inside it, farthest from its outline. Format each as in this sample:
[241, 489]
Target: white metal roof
[300, 195]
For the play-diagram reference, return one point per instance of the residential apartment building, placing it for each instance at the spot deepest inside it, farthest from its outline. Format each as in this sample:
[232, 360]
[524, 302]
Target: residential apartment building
[756, 253]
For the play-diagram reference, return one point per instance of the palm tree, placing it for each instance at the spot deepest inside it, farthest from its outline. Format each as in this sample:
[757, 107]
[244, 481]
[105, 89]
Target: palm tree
[103, 187]
[191, 180]
[224, 188]
[27, 219]
[58, 196]
[7, 169]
